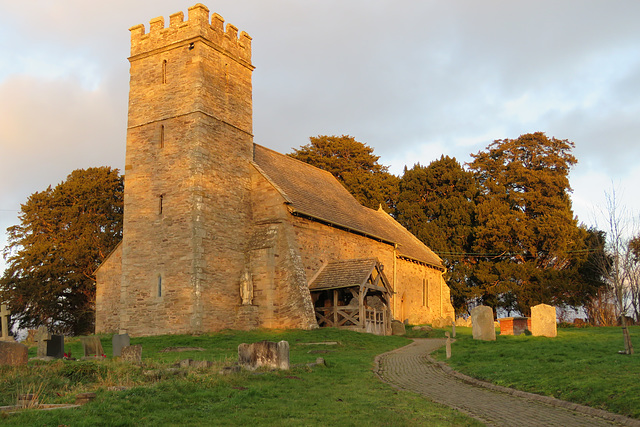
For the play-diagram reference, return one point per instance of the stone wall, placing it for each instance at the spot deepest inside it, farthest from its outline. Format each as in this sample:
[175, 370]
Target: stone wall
[187, 207]
[108, 278]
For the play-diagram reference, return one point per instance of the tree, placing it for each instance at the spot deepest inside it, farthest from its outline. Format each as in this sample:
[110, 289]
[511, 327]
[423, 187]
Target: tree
[355, 166]
[619, 266]
[526, 230]
[64, 234]
[437, 204]
[634, 276]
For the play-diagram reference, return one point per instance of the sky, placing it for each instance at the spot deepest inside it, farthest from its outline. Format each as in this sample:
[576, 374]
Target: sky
[412, 79]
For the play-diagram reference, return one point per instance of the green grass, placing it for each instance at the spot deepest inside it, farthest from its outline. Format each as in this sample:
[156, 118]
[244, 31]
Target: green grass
[581, 365]
[345, 392]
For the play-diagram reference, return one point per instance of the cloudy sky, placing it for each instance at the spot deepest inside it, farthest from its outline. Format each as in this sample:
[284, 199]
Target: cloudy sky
[413, 79]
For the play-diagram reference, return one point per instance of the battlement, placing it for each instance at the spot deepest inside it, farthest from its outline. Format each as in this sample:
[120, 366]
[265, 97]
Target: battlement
[196, 26]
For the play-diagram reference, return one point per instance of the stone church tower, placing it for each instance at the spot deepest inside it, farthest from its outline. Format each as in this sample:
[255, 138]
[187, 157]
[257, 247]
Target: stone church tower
[189, 143]
[220, 232]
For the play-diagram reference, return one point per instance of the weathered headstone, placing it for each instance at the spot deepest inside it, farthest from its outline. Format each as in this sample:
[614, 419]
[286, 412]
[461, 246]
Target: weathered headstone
[513, 325]
[55, 346]
[482, 321]
[42, 336]
[453, 329]
[543, 321]
[92, 347]
[4, 321]
[13, 353]
[119, 341]
[448, 345]
[397, 328]
[131, 353]
[264, 353]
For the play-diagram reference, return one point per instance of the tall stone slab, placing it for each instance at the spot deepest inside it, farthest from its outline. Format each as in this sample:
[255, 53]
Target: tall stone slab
[482, 323]
[543, 321]
[118, 342]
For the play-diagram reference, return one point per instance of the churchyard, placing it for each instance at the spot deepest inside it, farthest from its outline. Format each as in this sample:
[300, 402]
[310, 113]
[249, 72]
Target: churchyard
[160, 392]
[178, 380]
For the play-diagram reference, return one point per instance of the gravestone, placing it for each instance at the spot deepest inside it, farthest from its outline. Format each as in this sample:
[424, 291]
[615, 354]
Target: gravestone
[482, 323]
[131, 353]
[461, 321]
[397, 328]
[92, 347]
[119, 341]
[448, 345]
[4, 321]
[55, 346]
[264, 353]
[453, 329]
[13, 353]
[543, 321]
[41, 336]
[513, 325]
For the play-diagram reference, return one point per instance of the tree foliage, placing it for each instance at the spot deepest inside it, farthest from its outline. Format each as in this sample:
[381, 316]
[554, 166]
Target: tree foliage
[355, 166]
[526, 231]
[437, 204]
[64, 234]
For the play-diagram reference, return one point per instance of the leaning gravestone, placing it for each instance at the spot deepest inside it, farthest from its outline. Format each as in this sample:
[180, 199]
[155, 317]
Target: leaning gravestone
[92, 347]
[119, 341]
[4, 322]
[55, 346]
[397, 328]
[41, 336]
[131, 353]
[543, 321]
[264, 353]
[482, 323]
[13, 353]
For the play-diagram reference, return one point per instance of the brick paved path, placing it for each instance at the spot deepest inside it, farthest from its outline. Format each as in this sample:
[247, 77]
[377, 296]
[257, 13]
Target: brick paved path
[409, 368]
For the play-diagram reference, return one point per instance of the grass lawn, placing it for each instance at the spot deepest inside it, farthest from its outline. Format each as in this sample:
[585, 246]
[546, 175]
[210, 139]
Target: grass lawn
[581, 365]
[345, 392]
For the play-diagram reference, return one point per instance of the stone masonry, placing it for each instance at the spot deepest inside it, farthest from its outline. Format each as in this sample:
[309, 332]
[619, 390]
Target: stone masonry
[201, 217]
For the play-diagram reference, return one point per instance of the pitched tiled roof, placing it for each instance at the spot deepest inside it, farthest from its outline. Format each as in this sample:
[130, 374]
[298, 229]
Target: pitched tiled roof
[315, 193]
[343, 274]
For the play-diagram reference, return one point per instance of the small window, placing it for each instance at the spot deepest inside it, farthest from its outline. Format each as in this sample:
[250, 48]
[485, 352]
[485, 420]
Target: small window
[425, 292]
[160, 202]
[159, 285]
[161, 136]
[164, 71]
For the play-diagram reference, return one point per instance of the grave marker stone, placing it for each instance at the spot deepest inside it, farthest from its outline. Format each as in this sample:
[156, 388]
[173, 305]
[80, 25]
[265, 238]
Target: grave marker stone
[264, 353]
[131, 353]
[41, 336]
[543, 321]
[13, 353]
[448, 345]
[453, 329]
[92, 347]
[482, 323]
[4, 320]
[119, 341]
[55, 346]
[513, 325]
[397, 328]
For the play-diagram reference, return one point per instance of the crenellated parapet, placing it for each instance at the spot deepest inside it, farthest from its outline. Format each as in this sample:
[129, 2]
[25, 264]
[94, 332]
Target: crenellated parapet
[198, 25]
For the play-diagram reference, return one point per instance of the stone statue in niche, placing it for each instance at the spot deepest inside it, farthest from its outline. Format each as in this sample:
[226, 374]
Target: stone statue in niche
[246, 288]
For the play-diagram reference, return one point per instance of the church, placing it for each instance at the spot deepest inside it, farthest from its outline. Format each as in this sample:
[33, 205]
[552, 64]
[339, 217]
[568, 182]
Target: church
[220, 232]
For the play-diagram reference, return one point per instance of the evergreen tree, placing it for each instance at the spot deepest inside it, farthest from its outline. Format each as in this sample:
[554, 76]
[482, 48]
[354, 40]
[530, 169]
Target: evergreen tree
[437, 204]
[355, 166]
[64, 234]
[526, 230]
